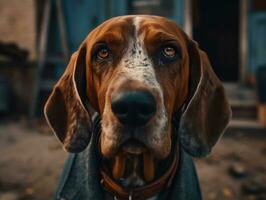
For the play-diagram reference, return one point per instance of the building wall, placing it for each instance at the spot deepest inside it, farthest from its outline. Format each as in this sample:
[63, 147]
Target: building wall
[256, 35]
[17, 23]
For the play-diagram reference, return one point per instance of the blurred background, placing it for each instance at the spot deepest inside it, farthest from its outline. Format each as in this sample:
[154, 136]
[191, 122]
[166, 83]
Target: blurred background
[37, 38]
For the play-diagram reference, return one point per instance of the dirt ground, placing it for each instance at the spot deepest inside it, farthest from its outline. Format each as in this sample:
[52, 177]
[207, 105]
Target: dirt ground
[31, 161]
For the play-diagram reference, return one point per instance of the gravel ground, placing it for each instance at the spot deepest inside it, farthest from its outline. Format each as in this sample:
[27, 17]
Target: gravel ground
[32, 159]
[236, 169]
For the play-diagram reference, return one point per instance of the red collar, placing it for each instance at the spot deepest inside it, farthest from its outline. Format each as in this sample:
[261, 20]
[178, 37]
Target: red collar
[139, 193]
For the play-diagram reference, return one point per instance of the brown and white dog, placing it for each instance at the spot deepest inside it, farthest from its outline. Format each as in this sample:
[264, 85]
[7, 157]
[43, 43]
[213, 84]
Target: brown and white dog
[138, 73]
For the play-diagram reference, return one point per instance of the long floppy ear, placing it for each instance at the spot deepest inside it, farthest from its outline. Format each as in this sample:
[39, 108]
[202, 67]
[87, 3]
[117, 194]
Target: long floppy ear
[65, 111]
[208, 111]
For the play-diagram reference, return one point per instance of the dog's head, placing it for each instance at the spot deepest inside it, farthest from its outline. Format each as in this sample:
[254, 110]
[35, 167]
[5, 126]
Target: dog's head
[138, 72]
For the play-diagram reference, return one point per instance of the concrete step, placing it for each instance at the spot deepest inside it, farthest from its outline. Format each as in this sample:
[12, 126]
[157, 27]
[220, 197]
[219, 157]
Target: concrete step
[240, 95]
[245, 126]
[243, 101]
[244, 112]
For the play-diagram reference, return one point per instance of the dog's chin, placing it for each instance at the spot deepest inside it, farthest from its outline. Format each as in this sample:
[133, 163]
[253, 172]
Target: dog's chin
[133, 147]
[134, 164]
[132, 153]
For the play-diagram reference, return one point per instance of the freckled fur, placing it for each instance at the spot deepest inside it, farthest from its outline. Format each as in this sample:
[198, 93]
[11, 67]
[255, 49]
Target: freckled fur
[138, 68]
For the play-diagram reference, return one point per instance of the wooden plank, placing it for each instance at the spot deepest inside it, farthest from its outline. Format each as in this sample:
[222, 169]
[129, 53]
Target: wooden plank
[62, 30]
[41, 57]
[257, 41]
[179, 12]
[262, 114]
[259, 5]
[245, 127]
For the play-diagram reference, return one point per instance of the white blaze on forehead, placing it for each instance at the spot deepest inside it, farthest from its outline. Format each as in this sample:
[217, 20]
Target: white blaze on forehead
[136, 63]
[137, 66]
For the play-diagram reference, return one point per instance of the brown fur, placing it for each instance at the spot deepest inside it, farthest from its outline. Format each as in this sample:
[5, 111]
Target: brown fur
[68, 110]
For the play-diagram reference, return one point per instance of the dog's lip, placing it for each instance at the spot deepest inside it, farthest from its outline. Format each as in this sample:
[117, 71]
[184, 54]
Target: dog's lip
[133, 146]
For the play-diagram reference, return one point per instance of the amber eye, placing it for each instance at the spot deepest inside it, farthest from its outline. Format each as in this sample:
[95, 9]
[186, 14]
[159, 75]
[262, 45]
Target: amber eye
[169, 52]
[103, 53]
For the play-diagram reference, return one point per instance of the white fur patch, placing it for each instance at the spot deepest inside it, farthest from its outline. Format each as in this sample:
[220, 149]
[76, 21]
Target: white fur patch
[138, 66]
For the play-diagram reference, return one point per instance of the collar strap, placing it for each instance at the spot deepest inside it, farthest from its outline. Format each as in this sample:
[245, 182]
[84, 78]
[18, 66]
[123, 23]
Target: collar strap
[144, 192]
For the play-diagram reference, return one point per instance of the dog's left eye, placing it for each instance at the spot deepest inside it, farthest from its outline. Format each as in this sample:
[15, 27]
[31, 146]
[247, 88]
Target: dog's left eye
[169, 52]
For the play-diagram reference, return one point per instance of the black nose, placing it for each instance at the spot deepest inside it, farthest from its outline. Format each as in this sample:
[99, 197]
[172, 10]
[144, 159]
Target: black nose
[134, 108]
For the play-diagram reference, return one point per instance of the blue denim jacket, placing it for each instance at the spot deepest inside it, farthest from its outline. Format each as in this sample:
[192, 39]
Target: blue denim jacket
[81, 178]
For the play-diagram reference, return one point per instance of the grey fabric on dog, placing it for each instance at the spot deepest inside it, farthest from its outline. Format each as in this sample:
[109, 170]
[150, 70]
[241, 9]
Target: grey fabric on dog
[81, 178]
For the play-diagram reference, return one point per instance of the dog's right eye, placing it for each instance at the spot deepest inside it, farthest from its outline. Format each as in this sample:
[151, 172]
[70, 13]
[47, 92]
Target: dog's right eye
[103, 53]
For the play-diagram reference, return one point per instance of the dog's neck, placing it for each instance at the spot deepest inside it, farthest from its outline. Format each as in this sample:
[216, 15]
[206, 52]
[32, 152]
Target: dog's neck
[131, 178]
[133, 173]
[115, 189]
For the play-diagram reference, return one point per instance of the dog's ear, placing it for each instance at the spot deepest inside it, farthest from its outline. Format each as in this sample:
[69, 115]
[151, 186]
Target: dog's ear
[65, 109]
[207, 112]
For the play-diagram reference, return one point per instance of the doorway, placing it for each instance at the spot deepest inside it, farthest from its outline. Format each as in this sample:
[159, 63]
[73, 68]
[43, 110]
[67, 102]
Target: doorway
[216, 29]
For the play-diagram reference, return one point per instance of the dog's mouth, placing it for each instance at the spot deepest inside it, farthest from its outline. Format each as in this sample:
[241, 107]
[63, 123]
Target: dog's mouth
[133, 146]
[134, 164]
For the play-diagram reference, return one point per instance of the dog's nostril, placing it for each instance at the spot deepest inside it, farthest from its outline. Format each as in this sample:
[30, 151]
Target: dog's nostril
[146, 110]
[119, 109]
[134, 107]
